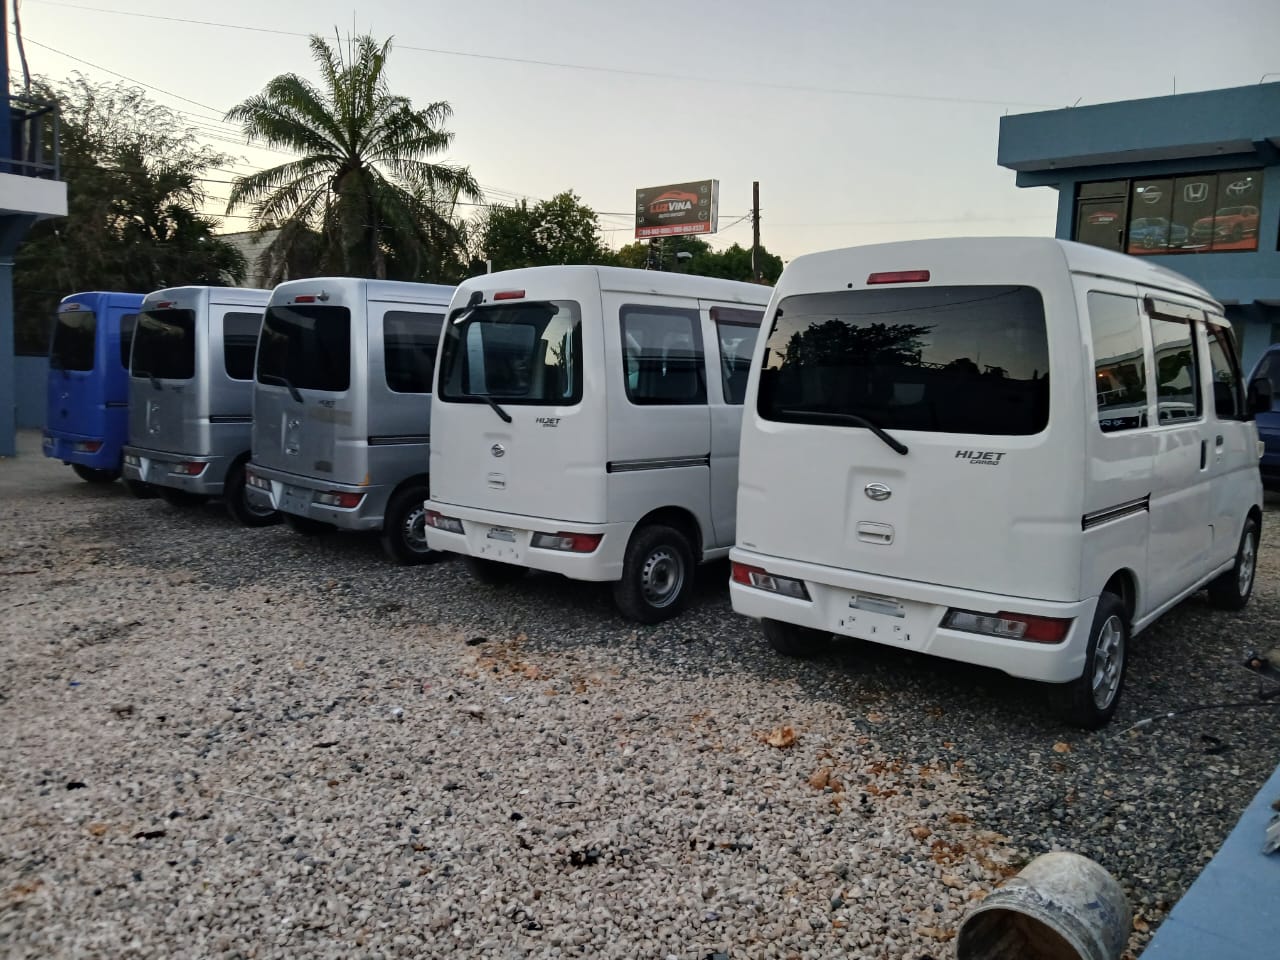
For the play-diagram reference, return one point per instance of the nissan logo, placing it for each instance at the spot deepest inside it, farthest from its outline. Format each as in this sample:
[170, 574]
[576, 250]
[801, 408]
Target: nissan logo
[498, 450]
[877, 491]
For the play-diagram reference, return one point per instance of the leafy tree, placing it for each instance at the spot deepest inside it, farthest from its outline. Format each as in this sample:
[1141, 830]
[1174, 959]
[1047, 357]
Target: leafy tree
[135, 179]
[733, 263]
[363, 179]
[560, 230]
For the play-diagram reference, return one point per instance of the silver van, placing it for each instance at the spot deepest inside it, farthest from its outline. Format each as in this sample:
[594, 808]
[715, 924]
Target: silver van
[342, 407]
[191, 396]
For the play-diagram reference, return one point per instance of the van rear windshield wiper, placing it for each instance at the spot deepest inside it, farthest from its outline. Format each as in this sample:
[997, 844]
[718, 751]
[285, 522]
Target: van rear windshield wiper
[284, 382]
[897, 446]
[155, 381]
[506, 417]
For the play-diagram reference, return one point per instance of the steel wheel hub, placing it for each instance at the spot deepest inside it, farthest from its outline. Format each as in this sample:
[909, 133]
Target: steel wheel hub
[1108, 662]
[662, 577]
[1248, 562]
[415, 530]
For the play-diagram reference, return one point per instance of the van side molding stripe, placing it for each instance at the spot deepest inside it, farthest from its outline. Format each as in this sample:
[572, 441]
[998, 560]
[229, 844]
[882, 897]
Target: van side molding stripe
[117, 404]
[1128, 508]
[228, 418]
[391, 440]
[662, 463]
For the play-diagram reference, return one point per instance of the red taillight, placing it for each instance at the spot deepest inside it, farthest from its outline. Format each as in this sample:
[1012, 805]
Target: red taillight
[1039, 629]
[188, 469]
[509, 295]
[305, 298]
[899, 276]
[567, 542]
[742, 573]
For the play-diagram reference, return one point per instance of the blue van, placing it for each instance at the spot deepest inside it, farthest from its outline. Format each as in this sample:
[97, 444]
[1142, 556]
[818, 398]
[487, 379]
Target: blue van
[1268, 372]
[87, 418]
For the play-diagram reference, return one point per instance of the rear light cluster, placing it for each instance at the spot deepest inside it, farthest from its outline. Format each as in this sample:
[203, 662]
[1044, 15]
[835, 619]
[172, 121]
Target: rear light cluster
[188, 469]
[253, 480]
[336, 498]
[1010, 626]
[761, 579]
[87, 446]
[567, 542]
[131, 461]
[440, 522]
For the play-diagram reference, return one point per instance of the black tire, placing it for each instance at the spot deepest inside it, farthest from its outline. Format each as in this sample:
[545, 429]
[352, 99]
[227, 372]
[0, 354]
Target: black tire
[791, 640]
[493, 572]
[657, 575]
[95, 474]
[307, 527]
[140, 490]
[1232, 590]
[1090, 701]
[404, 527]
[181, 498]
[237, 501]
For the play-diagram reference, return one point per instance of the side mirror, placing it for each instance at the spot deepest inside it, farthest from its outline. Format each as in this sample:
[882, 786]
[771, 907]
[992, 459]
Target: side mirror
[1259, 397]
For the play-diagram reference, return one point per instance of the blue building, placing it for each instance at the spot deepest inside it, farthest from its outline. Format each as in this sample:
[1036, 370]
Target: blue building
[1190, 180]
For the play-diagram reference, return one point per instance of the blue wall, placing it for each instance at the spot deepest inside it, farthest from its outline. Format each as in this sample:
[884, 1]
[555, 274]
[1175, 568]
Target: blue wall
[31, 375]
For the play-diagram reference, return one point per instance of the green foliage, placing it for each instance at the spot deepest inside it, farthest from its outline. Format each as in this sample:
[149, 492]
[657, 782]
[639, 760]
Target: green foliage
[363, 180]
[733, 263]
[133, 173]
[560, 230]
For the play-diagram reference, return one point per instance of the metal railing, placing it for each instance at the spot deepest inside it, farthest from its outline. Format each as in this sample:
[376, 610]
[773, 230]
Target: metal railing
[31, 148]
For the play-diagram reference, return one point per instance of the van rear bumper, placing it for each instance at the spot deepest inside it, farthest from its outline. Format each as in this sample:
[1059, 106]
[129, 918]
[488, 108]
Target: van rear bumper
[157, 468]
[294, 494]
[62, 446]
[852, 604]
[512, 544]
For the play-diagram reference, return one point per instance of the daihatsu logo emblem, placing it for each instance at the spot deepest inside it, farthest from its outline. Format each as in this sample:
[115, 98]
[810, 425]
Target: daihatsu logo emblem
[877, 491]
[498, 450]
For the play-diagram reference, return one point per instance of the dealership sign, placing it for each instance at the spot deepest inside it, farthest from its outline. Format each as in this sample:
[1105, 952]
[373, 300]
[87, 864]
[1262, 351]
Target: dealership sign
[677, 209]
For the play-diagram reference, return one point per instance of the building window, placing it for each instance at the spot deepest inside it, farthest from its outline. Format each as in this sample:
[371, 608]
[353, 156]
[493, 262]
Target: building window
[1196, 213]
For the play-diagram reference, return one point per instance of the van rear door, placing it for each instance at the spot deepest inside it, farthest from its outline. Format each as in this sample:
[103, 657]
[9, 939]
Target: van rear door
[162, 392]
[75, 400]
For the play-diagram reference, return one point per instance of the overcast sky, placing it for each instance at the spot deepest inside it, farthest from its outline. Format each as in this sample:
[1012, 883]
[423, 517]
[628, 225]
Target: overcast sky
[863, 121]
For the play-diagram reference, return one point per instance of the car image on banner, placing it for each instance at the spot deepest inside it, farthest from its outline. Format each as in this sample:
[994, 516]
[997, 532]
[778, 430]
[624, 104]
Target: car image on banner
[677, 209]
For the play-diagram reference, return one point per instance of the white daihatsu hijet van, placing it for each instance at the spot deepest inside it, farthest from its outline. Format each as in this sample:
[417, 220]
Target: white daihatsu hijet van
[1010, 452]
[342, 407]
[586, 422]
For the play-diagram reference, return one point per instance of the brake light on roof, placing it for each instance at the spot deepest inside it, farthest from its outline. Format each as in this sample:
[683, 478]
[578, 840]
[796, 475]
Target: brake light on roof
[337, 498]
[70, 306]
[567, 542]
[304, 298]
[1009, 626]
[761, 579]
[440, 522]
[899, 276]
[509, 295]
[165, 304]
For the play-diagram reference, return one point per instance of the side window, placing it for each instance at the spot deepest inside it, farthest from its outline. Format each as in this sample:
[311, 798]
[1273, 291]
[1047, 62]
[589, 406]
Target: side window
[662, 348]
[1224, 364]
[127, 323]
[1176, 365]
[409, 342]
[1119, 362]
[240, 343]
[737, 330]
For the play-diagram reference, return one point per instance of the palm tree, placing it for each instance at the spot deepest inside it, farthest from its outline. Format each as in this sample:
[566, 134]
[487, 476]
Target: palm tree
[362, 178]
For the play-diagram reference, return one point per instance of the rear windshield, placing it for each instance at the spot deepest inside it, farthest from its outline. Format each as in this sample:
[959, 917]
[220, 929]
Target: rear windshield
[164, 345]
[306, 346]
[73, 340]
[522, 353]
[971, 359]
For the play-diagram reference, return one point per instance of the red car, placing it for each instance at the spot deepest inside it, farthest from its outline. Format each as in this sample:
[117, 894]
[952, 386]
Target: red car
[673, 201]
[1231, 224]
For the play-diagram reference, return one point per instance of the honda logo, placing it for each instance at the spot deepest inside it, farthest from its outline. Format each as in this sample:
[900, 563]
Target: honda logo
[1196, 192]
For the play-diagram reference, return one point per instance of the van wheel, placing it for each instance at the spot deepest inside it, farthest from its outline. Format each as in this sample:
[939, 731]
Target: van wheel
[181, 498]
[306, 526]
[657, 573]
[236, 498]
[94, 474]
[140, 490]
[791, 640]
[1090, 701]
[1232, 590]
[404, 527]
[493, 572]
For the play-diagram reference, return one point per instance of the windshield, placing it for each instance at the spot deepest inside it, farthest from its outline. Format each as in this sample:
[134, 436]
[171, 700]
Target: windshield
[972, 359]
[307, 347]
[73, 340]
[164, 345]
[521, 353]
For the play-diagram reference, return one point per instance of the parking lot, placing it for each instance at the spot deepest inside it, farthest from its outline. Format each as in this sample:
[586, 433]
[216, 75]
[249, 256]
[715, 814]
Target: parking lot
[243, 743]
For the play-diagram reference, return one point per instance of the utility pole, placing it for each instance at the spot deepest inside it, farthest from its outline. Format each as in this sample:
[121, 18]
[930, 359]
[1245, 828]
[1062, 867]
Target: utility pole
[755, 230]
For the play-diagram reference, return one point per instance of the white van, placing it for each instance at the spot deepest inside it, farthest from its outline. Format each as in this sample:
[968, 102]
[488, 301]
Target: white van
[1010, 452]
[586, 422]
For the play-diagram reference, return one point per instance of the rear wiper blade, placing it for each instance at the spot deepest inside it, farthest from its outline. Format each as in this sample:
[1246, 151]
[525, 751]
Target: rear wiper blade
[897, 446]
[284, 382]
[506, 417]
[155, 381]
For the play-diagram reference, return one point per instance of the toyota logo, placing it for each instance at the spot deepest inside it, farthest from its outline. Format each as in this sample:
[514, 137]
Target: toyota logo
[1239, 188]
[498, 450]
[877, 491]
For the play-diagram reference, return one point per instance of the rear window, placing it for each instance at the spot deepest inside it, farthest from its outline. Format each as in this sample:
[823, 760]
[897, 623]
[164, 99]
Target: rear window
[946, 359]
[74, 332]
[522, 353]
[240, 343]
[164, 345]
[738, 330]
[307, 346]
[409, 341]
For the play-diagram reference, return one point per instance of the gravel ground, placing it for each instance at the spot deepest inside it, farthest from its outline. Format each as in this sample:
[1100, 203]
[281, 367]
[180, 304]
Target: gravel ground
[239, 743]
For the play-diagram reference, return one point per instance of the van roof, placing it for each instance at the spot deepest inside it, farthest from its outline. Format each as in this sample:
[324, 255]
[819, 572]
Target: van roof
[238, 296]
[109, 296]
[820, 268]
[628, 280]
[350, 289]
